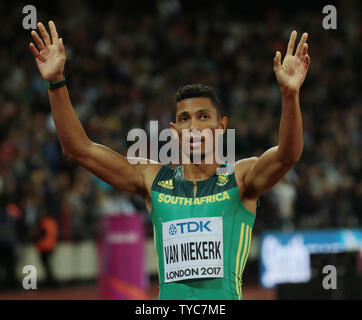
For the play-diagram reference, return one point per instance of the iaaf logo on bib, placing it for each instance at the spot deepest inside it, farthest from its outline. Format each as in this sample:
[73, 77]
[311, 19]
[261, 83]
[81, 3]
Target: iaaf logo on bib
[192, 226]
[172, 230]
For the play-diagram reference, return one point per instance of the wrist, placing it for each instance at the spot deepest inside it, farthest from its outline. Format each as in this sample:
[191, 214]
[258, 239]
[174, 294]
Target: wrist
[58, 82]
[289, 91]
[58, 77]
[55, 78]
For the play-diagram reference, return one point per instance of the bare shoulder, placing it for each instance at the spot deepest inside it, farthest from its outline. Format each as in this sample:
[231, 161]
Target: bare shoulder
[151, 170]
[148, 168]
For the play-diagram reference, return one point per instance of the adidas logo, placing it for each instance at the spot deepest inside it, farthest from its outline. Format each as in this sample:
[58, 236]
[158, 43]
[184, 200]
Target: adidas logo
[166, 184]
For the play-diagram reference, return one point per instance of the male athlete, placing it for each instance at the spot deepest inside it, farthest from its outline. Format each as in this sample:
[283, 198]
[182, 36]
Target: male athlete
[202, 221]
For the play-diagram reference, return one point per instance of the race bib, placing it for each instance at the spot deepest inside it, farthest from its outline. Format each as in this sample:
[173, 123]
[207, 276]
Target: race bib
[193, 248]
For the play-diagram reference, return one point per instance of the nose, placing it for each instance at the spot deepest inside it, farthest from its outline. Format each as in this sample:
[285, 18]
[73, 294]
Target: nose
[194, 126]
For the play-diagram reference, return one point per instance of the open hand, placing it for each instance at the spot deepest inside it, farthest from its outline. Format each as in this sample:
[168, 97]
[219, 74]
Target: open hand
[292, 72]
[50, 54]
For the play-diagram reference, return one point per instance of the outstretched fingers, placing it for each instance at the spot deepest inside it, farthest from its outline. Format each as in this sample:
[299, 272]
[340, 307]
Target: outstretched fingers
[277, 61]
[306, 62]
[301, 49]
[53, 32]
[44, 34]
[291, 43]
[304, 51]
[39, 42]
[34, 50]
[61, 45]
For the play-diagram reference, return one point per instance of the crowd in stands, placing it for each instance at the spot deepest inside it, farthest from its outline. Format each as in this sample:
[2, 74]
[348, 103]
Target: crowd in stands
[123, 71]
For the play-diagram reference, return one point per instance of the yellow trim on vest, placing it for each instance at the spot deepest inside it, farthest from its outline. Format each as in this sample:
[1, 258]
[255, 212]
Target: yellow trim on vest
[238, 259]
[154, 242]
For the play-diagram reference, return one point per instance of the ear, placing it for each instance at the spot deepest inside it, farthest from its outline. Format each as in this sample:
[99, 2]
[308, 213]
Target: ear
[223, 123]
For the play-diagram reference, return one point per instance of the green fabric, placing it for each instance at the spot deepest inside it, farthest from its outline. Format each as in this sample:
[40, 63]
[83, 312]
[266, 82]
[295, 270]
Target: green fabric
[55, 84]
[172, 199]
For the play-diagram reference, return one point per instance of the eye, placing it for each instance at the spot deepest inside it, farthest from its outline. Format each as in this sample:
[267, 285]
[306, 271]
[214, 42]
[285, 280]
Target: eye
[204, 116]
[183, 119]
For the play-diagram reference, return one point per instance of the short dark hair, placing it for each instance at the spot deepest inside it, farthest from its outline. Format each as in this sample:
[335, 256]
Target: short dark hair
[199, 91]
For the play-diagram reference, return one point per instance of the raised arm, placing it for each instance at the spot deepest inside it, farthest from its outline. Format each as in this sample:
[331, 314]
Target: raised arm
[260, 174]
[103, 162]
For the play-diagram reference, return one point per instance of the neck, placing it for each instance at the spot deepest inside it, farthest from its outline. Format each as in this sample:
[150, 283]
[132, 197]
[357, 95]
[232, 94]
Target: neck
[197, 172]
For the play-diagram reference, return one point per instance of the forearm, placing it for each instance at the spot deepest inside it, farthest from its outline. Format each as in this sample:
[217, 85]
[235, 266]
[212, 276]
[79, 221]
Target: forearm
[290, 145]
[71, 134]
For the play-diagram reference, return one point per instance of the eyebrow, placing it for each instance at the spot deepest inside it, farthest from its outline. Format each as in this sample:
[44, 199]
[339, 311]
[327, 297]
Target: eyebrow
[182, 113]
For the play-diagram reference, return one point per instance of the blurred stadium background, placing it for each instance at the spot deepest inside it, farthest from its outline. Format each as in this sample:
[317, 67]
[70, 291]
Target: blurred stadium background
[125, 61]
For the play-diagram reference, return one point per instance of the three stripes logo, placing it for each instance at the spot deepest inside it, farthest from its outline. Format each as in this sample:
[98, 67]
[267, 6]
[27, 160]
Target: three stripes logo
[168, 184]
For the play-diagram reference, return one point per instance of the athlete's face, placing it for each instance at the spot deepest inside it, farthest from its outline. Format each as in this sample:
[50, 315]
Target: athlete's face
[194, 115]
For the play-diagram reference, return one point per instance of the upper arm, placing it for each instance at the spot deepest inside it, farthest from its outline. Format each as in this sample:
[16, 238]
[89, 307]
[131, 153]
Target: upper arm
[116, 170]
[261, 174]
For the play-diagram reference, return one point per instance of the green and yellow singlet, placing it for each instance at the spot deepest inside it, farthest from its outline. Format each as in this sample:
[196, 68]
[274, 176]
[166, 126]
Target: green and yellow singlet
[202, 243]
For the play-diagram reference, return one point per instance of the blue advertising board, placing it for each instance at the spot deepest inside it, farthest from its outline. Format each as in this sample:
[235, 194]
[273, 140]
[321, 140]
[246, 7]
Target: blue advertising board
[284, 257]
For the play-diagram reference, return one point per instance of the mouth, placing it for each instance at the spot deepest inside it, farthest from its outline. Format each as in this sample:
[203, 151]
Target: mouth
[195, 142]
